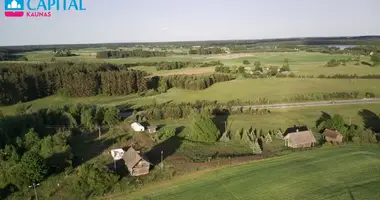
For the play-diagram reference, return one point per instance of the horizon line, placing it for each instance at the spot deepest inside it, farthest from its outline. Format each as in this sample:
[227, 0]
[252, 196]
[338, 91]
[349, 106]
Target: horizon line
[184, 41]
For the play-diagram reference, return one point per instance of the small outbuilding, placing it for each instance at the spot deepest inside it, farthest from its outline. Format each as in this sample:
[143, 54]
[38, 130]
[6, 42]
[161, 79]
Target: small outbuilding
[136, 162]
[300, 139]
[333, 136]
[137, 127]
[152, 129]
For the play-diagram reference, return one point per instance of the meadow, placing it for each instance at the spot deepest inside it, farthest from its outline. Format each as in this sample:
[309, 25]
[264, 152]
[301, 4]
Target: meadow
[273, 89]
[284, 118]
[347, 172]
[301, 63]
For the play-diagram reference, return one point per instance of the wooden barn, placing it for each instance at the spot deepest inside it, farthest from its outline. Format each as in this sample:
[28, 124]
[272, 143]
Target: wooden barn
[136, 162]
[300, 139]
[333, 136]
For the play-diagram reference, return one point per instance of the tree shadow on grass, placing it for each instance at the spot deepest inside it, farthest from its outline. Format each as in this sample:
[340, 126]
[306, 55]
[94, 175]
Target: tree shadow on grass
[167, 147]
[87, 146]
[324, 117]
[221, 122]
[371, 120]
[350, 193]
[7, 190]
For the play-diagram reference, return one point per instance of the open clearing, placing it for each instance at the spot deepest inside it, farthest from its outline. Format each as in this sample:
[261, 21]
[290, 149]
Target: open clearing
[348, 172]
[274, 89]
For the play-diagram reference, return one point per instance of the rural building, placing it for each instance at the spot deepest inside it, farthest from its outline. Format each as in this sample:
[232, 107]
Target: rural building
[300, 139]
[152, 129]
[295, 129]
[136, 163]
[137, 127]
[332, 136]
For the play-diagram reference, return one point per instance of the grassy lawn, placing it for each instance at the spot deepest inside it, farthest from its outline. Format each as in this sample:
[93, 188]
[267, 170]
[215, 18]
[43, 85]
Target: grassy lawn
[348, 172]
[274, 89]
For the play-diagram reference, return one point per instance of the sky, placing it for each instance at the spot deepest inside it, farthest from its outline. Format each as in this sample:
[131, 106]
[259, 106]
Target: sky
[106, 21]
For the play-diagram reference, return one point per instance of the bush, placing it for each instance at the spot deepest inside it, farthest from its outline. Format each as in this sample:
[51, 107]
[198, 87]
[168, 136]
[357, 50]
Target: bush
[246, 62]
[203, 129]
[93, 179]
[366, 63]
[166, 133]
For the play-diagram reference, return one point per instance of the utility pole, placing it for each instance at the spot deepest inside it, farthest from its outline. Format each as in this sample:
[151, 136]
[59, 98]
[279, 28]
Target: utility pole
[34, 188]
[100, 131]
[162, 158]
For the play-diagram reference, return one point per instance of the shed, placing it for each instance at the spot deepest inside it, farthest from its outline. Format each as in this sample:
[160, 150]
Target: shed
[136, 162]
[152, 129]
[333, 136]
[137, 127]
[300, 139]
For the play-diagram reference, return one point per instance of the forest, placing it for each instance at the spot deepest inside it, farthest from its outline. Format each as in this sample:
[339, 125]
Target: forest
[26, 82]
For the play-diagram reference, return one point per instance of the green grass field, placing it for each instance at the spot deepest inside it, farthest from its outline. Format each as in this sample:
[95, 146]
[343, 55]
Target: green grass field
[348, 172]
[301, 63]
[284, 118]
[274, 89]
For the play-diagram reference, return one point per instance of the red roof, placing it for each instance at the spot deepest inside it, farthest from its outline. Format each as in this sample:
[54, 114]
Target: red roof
[331, 133]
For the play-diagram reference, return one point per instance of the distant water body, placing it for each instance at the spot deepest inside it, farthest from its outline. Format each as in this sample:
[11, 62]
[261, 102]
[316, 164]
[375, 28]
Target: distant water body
[341, 47]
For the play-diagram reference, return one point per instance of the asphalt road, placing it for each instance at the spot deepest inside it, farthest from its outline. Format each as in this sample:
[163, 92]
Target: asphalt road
[309, 104]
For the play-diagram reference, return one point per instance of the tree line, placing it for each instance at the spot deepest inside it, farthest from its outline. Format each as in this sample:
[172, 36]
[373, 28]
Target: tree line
[184, 64]
[26, 82]
[129, 53]
[206, 51]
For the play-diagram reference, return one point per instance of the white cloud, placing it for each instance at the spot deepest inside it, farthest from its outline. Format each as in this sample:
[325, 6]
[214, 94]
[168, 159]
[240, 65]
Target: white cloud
[164, 29]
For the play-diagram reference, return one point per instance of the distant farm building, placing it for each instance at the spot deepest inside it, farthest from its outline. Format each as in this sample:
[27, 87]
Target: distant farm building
[300, 139]
[333, 136]
[152, 129]
[295, 129]
[137, 127]
[136, 162]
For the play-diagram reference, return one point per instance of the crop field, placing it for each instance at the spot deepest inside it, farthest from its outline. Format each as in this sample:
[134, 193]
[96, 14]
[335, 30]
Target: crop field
[347, 172]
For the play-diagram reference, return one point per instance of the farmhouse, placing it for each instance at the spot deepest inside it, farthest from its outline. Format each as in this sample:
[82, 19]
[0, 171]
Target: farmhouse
[333, 136]
[300, 139]
[136, 163]
[137, 127]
